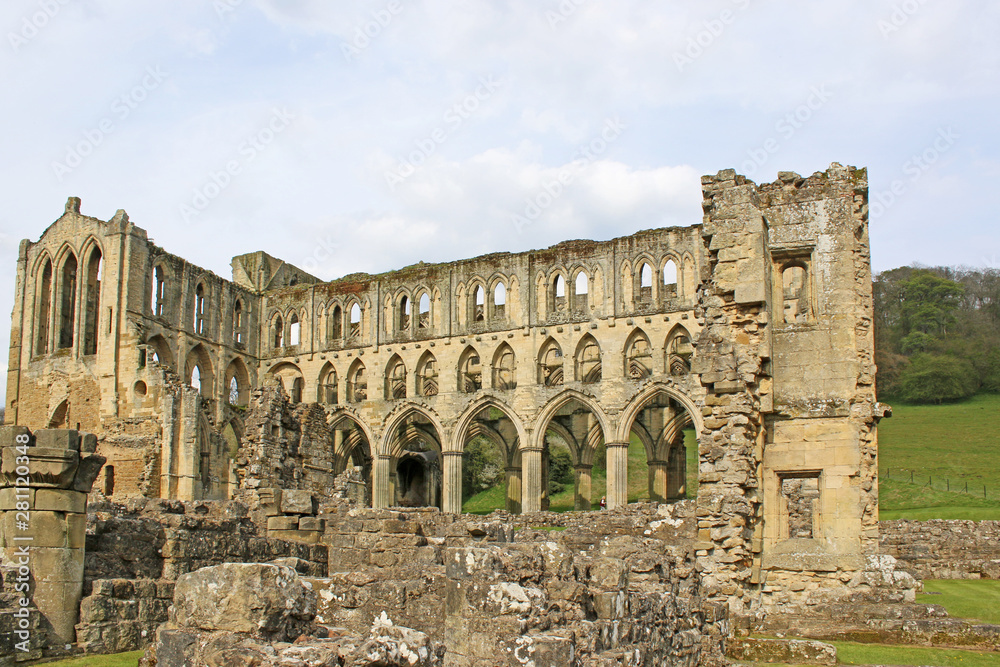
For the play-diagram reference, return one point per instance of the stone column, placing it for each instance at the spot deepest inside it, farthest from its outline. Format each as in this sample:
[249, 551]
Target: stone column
[677, 472]
[531, 485]
[381, 484]
[582, 488]
[513, 490]
[44, 481]
[658, 481]
[452, 482]
[617, 453]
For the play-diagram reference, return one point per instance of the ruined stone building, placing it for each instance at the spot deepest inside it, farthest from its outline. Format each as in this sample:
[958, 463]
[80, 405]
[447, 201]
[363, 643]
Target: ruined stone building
[752, 327]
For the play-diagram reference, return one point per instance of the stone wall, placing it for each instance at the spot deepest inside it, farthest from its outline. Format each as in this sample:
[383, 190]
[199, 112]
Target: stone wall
[944, 549]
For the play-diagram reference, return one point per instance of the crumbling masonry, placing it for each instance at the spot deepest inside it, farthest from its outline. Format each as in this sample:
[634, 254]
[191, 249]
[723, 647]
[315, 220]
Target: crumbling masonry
[753, 328]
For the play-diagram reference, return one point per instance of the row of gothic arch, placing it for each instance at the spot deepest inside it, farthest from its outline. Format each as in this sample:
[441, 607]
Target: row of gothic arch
[66, 306]
[587, 367]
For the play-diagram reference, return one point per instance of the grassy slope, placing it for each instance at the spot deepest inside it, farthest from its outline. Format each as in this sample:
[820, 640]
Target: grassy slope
[959, 442]
[119, 660]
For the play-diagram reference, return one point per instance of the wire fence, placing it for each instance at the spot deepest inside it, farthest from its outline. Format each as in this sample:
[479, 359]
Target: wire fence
[939, 482]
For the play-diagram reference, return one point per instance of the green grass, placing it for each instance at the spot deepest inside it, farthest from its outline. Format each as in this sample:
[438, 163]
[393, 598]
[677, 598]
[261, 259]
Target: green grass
[117, 660]
[977, 599]
[850, 653]
[957, 442]
[638, 481]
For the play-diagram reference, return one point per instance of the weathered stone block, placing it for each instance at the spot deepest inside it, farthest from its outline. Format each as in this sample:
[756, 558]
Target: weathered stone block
[297, 502]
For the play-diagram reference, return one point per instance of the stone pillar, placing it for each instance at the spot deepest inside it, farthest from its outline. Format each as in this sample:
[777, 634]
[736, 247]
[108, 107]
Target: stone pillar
[583, 500]
[617, 474]
[658, 481]
[513, 490]
[381, 484]
[44, 481]
[452, 482]
[677, 472]
[531, 486]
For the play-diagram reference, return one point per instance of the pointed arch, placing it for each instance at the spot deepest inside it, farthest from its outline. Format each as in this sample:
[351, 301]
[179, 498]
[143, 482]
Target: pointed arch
[43, 306]
[427, 375]
[403, 312]
[198, 361]
[424, 320]
[158, 351]
[689, 278]
[557, 299]
[92, 299]
[498, 300]
[477, 304]
[395, 379]
[355, 316]
[588, 360]
[678, 351]
[550, 363]
[67, 299]
[199, 309]
[357, 382]
[160, 281]
[470, 371]
[469, 415]
[581, 292]
[504, 368]
[335, 323]
[277, 331]
[671, 278]
[393, 441]
[644, 274]
[237, 385]
[562, 400]
[294, 329]
[239, 323]
[638, 356]
[326, 385]
[641, 400]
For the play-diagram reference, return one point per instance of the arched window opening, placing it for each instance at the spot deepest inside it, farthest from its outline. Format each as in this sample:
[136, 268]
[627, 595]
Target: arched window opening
[679, 351]
[355, 321]
[427, 376]
[294, 330]
[234, 391]
[550, 364]
[670, 290]
[588, 361]
[336, 325]
[328, 386]
[470, 372]
[357, 383]
[404, 314]
[298, 384]
[44, 306]
[580, 289]
[159, 289]
[499, 301]
[504, 369]
[67, 317]
[645, 283]
[92, 302]
[480, 295]
[278, 332]
[559, 294]
[639, 357]
[109, 481]
[424, 321]
[395, 379]
[195, 380]
[238, 323]
[795, 293]
[199, 310]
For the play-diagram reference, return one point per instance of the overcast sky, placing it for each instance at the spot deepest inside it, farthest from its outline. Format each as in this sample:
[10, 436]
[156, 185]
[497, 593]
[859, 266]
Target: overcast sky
[357, 135]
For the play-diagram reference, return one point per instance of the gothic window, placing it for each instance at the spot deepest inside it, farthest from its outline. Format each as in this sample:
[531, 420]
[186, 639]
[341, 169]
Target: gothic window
[328, 385]
[278, 332]
[670, 290]
[357, 383]
[199, 310]
[470, 372]
[44, 306]
[404, 314]
[679, 352]
[795, 293]
[92, 302]
[504, 369]
[234, 391]
[427, 376]
[580, 289]
[588, 360]
[335, 327]
[294, 329]
[478, 314]
[639, 357]
[355, 321]
[424, 314]
[395, 378]
[298, 384]
[499, 301]
[559, 294]
[238, 323]
[550, 364]
[195, 380]
[67, 291]
[159, 292]
[645, 283]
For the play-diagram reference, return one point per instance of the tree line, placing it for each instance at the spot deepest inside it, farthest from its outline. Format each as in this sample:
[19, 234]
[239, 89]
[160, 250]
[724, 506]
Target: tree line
[937, 333]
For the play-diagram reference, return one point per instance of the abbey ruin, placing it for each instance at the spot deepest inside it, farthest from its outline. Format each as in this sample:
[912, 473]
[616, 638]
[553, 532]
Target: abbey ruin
[318, 406]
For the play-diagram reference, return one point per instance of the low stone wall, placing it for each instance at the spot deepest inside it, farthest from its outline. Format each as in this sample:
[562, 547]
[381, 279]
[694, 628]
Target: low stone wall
[122, 614]
[941, 549]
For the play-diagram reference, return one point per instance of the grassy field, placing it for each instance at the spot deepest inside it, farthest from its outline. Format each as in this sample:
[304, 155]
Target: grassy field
[638, 481]
[946, 445]
[119, 660]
